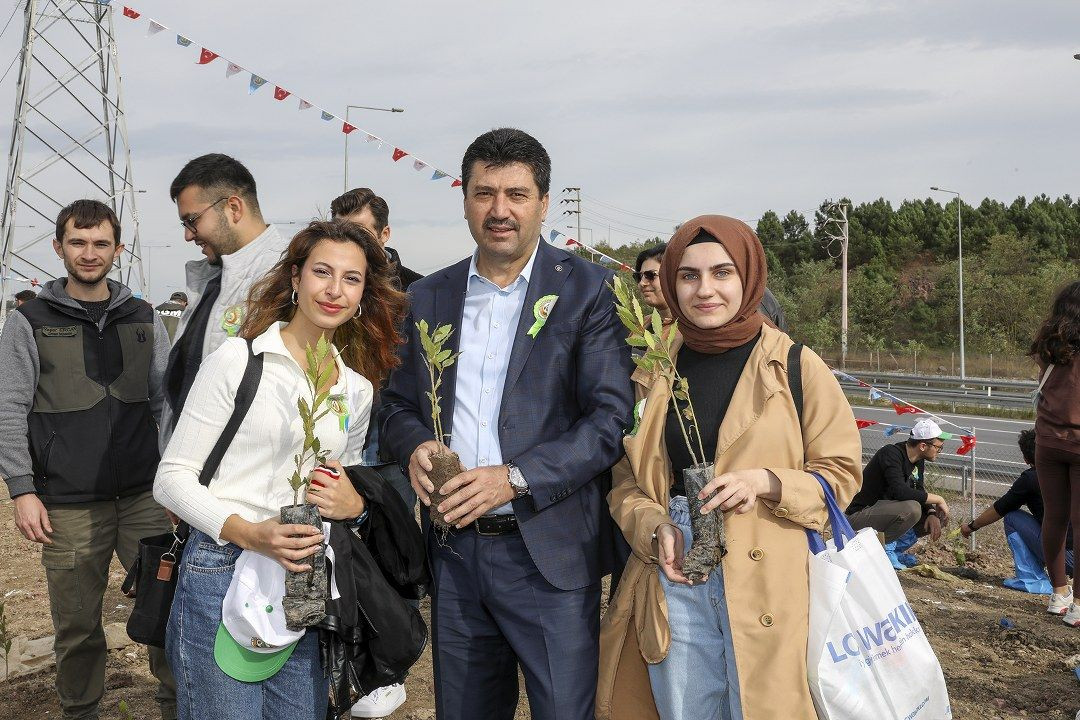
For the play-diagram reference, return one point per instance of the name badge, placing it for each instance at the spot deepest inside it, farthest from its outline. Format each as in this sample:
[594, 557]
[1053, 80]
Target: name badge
[69, 331]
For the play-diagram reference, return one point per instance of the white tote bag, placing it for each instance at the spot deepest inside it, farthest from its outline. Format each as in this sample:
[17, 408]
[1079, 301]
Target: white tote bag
[866, 655]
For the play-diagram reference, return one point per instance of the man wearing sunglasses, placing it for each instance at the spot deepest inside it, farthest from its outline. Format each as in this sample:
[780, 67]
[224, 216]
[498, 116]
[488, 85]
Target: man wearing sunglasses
[893, 498]
[219, 211]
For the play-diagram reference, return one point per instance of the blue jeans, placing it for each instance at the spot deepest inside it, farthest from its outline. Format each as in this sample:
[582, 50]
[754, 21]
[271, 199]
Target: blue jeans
[1027, 527]
[697, 680]
[298, 690]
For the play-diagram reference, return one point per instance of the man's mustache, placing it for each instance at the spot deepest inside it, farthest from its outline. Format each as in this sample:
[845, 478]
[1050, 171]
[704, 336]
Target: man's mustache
[493, 224]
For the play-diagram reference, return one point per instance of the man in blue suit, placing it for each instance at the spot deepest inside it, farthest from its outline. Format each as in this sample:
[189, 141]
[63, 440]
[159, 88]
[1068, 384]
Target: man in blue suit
[536, 407]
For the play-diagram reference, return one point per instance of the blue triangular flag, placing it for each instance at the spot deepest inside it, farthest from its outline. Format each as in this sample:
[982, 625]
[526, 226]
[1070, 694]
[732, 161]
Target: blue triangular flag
[554, 234]
[891, 430]
[326, 116]
[256, 83]
[438, 175]
[182, 41]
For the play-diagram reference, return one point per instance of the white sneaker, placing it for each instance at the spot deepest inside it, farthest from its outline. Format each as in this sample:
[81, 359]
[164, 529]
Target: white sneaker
[1072, 617]
[380, 702]
[1059, 604]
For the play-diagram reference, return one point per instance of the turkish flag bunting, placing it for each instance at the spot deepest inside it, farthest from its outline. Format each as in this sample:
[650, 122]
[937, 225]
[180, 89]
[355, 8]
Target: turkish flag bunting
[626, 268]
[862, 384]
[571, 242]
[864, 423]
[967, 443]
[207, 56]
[280, 93]
[128, 12]
[456, 183]
[347, 128]
[904, 409]
[399, 153]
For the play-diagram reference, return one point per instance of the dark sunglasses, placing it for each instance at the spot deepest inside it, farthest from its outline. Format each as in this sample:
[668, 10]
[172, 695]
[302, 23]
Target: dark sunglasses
[192, 221]
[649, 275]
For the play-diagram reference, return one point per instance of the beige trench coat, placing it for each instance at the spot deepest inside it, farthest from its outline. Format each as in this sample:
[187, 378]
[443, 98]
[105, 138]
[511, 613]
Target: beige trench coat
[765, 570]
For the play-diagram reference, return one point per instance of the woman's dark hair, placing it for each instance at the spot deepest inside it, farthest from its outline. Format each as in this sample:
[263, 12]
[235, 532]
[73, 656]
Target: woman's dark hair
[654, 252]
[367, 343]
[1058, 340]
[1026, 441]
[499, 148]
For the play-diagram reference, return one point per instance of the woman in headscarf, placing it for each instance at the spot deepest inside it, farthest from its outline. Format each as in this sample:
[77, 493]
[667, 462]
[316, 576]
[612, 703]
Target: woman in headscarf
[734, 645]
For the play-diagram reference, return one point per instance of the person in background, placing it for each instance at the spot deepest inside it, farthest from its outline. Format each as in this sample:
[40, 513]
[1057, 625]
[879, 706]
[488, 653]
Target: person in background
[1024, 491]
[1057, 444]
[80, 396]
[24, 296]
[218, 205]
[171, 311]
[647, 277]
[893, 498]
[363, 207]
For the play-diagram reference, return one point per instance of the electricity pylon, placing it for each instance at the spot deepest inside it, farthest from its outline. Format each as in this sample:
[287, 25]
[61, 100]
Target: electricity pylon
[68, 140]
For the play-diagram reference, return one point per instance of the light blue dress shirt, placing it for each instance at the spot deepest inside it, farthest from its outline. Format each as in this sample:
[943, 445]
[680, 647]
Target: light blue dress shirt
[488, 325]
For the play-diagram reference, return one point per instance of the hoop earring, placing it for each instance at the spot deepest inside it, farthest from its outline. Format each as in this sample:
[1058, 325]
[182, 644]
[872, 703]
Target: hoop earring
[294, 300]
[359, 311]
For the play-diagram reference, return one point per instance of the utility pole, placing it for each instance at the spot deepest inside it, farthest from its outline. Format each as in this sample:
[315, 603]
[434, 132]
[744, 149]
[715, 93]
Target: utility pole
[68, 138]
[577, 200]
[960, 270]
[840, 235]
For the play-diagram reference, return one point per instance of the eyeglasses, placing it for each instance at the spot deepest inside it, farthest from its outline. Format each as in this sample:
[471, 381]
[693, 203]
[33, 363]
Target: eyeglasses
[936, 446]
[649, 275]
[191, 221]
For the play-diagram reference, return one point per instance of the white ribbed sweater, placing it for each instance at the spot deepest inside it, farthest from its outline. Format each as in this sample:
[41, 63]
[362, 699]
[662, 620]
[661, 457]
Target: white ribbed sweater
[252, 480]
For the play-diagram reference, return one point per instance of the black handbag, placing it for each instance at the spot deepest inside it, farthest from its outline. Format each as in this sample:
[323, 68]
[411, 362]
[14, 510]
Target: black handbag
[152, 577]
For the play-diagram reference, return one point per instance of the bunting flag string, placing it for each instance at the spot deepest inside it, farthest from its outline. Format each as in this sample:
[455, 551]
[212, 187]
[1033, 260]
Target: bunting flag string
[903, 407]
[207, 56]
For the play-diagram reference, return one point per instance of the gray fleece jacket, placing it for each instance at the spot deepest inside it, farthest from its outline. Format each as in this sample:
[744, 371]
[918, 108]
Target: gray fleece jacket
[20, 375]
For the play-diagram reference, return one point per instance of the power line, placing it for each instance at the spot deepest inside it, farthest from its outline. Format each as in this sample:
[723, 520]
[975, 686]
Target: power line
[590, 198]
[616, 221]
[11, 17]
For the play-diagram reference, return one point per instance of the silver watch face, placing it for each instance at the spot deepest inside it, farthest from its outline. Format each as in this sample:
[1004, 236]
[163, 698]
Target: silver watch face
[518, 480]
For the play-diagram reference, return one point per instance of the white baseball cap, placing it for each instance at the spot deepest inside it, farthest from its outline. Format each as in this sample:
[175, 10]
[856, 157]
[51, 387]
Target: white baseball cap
[927, 429]
[252, 641]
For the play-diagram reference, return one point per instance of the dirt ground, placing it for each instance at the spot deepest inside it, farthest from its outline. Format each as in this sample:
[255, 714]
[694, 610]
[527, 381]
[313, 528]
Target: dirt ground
[992, 672]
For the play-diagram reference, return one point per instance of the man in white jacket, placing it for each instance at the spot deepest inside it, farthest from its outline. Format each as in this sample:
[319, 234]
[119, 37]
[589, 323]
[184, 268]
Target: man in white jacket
[218, 206]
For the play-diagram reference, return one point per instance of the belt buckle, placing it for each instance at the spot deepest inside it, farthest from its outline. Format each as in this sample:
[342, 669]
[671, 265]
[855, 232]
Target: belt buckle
[476, 524]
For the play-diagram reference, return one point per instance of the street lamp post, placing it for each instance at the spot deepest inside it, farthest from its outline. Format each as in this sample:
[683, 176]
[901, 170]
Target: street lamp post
[960, 263]
[360, 107]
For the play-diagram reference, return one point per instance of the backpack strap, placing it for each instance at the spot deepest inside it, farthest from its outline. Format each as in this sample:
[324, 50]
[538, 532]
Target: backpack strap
[794, 369]
[245, 395]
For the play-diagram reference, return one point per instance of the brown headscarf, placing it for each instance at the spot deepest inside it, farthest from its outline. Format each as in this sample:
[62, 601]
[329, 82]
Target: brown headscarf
[749, 257]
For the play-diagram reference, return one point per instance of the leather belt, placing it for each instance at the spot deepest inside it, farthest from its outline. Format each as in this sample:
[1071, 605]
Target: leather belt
[492, 525]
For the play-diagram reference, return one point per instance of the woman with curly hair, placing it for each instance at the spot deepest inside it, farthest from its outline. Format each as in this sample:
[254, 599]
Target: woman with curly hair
[332, 282]
[1057, 444]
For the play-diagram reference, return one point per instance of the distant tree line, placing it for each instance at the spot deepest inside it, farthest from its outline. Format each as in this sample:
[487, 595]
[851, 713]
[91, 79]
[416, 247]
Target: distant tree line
[903, 284]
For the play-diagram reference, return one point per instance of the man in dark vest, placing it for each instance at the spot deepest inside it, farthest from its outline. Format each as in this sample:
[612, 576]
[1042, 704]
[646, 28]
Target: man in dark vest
[80, 397]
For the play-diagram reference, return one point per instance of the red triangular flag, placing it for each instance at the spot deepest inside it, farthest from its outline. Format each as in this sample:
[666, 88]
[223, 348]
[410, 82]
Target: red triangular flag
[903, 409]
[399, 153]
[280, 93]
[128, 12]
[347, 128]
[207, 56]
[864, 423]
[456, 183]
[967, 443]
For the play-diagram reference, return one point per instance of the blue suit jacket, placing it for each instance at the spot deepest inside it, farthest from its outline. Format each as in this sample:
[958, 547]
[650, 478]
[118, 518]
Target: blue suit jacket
[566, 404]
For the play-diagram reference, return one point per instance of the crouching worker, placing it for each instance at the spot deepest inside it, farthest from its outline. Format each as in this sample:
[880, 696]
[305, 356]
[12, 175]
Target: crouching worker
[1025, 526]
[893, 498]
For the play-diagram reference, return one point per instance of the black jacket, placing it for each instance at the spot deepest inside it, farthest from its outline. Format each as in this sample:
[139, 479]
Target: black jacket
[890, 475]
[371, 635]
[405, 276]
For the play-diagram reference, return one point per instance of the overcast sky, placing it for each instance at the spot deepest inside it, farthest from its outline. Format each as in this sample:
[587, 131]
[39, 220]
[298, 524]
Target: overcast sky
[668, 110]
